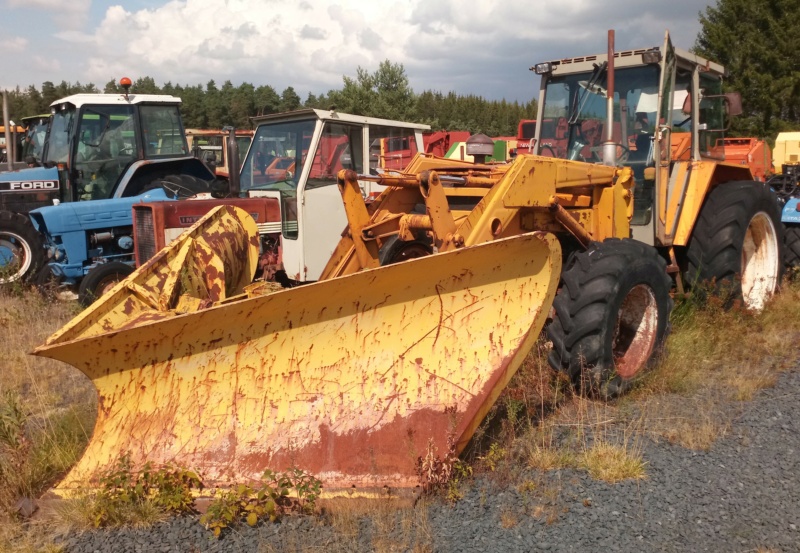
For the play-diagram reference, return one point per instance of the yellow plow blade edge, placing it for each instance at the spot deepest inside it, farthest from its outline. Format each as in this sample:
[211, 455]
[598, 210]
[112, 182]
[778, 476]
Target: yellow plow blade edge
[349, 379]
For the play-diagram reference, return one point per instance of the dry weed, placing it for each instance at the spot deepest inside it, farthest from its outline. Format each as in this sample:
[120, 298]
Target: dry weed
[549, 458]
[46, 407]
[612, 463]
[397, 524]
[508, 518]
[30, 538]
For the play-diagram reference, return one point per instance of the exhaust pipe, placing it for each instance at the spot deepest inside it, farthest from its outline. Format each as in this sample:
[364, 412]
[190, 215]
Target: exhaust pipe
[233, 163]
[6, 126]
[609, 146]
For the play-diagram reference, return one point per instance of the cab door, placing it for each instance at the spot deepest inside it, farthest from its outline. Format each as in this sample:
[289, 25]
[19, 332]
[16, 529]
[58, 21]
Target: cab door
[663, 149]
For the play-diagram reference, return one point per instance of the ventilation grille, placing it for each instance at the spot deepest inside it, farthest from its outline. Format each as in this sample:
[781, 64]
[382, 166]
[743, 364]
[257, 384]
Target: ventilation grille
[145, 234]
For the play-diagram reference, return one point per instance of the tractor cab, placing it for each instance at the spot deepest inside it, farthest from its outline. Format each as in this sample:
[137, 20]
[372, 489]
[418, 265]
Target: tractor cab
[295, 157]
[646, 110]
[94, 140]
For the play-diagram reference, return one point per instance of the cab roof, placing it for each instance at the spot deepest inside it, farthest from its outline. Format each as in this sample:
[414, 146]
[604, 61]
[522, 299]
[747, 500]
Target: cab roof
[333, 115]
[629, 58]
[79, 100]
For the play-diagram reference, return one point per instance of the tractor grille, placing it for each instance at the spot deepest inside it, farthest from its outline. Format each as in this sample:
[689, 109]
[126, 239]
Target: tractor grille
[144, 231]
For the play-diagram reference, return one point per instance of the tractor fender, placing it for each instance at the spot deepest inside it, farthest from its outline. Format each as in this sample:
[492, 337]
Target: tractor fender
[698, 178]
[141, 173]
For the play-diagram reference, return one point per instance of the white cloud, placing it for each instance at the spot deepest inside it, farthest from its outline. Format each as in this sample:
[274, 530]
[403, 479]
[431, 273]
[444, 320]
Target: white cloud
[46, 65]
[13, 44]
[67, 14]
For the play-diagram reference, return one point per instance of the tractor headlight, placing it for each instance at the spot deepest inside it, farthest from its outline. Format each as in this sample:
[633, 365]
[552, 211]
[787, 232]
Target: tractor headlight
[651, 56]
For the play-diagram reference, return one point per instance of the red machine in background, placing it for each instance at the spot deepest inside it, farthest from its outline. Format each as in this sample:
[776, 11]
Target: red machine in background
[746, 151]
[394, 153]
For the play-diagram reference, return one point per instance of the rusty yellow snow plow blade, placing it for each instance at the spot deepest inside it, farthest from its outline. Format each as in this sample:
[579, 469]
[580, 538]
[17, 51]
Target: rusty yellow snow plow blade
[350, 378]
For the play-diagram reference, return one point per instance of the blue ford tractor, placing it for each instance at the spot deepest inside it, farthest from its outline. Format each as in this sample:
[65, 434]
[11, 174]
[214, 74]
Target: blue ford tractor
[102, 153]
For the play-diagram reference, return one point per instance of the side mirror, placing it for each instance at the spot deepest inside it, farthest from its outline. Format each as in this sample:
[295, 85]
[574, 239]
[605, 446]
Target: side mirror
[733, 103]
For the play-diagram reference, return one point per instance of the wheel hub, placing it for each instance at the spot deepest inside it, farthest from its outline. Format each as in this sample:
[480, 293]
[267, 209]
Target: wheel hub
[636, 331]
[15, 257]
[760, 261]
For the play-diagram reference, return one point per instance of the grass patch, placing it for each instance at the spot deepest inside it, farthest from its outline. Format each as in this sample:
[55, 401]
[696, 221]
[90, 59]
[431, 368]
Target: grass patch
[395, 524]
[734, 351]
[35, 451]
[29, 538]
[47, 408]
[612, 463]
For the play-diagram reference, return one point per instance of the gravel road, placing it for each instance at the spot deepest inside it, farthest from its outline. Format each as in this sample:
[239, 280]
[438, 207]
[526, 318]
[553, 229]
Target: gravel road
[742, 495]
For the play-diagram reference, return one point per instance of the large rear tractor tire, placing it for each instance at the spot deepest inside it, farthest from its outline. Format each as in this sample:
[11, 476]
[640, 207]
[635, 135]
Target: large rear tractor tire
[100, 280]
[791, 242]
[21, 249]
[611, 316]
[736, 245]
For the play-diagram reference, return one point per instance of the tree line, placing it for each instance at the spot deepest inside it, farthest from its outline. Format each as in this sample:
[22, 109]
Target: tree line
[384, 93]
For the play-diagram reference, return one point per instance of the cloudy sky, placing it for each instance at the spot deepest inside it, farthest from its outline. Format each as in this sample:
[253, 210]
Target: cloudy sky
[468, 46]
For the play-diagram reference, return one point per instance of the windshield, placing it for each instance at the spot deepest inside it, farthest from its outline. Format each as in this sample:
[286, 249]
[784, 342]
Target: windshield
[33, 143]
[58, 139]
[162, 131]
[243, 142]
[575, 109]
[277, 156]
[106, 146]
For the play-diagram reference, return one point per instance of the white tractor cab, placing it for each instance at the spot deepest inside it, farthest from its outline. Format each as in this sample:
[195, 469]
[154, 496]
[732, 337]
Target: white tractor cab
[294, 158]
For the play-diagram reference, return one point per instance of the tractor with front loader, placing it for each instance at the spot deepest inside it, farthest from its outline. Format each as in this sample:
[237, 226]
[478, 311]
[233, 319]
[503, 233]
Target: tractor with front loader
[387, 360]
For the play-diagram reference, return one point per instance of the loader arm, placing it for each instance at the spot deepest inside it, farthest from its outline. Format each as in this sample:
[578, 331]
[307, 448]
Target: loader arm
[464, 204]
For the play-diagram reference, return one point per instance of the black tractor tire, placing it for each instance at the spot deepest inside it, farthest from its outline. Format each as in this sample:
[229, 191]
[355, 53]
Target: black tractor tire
[611, 316]
[181, 186]
[736, 248]
[395, 250]
[791, 243]
[100, 280]
[21, 249]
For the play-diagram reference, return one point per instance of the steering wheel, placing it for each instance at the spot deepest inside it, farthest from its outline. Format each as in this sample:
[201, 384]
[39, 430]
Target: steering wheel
[626, 153]
[597, 153]
[549, 147]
